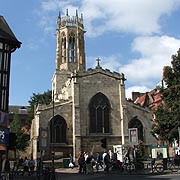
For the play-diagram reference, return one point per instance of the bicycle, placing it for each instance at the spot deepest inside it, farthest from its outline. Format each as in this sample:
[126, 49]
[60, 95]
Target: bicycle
[130, 167]
[166, 165]
[172, 165]
[158, 167]
[4, 176]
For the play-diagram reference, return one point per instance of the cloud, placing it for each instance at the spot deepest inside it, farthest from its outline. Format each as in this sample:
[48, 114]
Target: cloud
[141, 89]
[137, 16]
[110, 62]
[155, 52]
[145, 72]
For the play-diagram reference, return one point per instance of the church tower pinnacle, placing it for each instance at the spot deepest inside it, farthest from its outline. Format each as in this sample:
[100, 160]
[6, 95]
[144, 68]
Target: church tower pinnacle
[70, 50]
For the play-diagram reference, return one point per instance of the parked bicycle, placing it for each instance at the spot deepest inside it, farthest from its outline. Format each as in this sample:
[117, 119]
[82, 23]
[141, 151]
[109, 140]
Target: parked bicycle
[171, 165]
[132, 166]
[166, 164]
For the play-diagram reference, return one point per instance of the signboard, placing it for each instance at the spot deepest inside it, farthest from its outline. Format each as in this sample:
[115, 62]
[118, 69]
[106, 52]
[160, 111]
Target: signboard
[133, 136]
[43, 139]
[4, 119]
[160, 152]
[4, 136]
[118, 149]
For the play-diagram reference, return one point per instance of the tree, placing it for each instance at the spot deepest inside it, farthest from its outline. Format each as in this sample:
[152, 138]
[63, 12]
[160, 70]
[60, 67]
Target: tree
[21, 137]
[17, 128]
[168, 114]
[38, 99]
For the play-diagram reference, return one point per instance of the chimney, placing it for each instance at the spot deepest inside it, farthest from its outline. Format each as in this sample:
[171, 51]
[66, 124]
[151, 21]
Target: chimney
[164, 68]
[135, 95]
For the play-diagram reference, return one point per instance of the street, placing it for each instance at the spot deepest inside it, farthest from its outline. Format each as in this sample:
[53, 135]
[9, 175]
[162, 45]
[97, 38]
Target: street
[72, 174]
[102, 176]
[118, 177]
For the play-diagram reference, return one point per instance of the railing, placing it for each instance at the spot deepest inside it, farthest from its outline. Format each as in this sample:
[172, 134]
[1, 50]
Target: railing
[21, 175]
[147, 166]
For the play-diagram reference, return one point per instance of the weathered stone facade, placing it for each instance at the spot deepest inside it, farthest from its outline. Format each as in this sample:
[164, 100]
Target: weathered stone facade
[72, 114]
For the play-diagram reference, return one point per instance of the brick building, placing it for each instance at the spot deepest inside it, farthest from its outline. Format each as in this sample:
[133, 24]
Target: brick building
[21, 112]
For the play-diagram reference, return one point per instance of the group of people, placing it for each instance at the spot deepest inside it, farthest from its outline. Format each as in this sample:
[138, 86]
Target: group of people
[87, 161]
[22, 166]
[26, 166]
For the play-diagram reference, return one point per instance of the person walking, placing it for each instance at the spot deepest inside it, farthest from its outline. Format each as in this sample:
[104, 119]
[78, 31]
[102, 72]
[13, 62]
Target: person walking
[99, 162]
[5, 167]
[88, 161]
[31, 164]
[81, 162]
[26, 166]
[107, 162]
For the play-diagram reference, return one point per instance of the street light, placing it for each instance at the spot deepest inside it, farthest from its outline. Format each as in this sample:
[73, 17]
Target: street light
[53, 177]
[179, 135]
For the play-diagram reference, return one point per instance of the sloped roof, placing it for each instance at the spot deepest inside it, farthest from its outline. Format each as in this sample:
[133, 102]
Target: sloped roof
[150, 99]
[141, 100]
[6, 33]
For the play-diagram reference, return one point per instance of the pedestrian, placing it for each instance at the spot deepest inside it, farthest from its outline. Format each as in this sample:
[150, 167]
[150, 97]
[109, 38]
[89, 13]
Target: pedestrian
[5, 168]
[107, 162]
[81, 162]
[88, 164]
[130, 154]
[31, 165]
[103, 156]
[99, 162]
[26, 166]
[71, 161]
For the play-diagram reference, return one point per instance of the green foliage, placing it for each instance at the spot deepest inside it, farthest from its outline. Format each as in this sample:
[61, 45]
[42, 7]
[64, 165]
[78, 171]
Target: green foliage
[15, 126]
[38, 99]
[22, 139]
[168, 115]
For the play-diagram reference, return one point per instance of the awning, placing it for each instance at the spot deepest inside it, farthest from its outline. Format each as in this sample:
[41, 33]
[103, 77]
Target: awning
[2, 148]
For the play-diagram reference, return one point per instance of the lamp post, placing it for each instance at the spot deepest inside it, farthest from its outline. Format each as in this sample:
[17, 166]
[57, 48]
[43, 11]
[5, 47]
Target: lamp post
[8, 44]
[53, 177]
[179, 135]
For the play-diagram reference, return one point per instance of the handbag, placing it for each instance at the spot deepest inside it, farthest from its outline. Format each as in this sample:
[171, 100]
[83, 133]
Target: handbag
[71, 165]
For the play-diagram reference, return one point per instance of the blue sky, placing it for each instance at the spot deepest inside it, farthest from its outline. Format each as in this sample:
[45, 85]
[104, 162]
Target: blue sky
[136, 37]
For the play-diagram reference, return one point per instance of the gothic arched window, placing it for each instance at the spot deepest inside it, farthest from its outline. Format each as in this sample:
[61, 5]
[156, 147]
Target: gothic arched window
[58, 129]
[99, 110]
[72, 48]
[63, 47]
[136, 123]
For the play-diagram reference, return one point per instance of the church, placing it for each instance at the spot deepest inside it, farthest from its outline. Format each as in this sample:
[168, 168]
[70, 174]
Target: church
[88, 105]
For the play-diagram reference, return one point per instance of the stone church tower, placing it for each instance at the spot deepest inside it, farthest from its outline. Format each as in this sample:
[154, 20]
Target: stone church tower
[87, 105]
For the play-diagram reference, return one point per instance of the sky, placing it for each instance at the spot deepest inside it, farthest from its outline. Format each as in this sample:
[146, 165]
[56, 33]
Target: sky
[134, 37]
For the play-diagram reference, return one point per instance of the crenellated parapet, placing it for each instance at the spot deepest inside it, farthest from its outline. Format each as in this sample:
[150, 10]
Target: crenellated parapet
[107, 72]
[73, 21]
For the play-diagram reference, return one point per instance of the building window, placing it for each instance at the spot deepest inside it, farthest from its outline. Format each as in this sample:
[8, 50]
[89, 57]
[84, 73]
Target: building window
[4, 76]
[99, 110]
[58, 129]
[136, 123]
[23, 122]
[72, 51]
